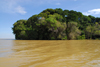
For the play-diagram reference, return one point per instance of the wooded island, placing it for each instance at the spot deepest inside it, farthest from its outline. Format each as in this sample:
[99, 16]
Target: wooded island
[58, 24]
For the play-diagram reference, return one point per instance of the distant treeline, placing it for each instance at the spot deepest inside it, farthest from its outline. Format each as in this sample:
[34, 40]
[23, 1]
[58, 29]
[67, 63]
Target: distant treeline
[58, 24]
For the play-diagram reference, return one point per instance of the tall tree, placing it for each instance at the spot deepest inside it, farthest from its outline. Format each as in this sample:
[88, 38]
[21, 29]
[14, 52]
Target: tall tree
[19, 29]
[73, 31]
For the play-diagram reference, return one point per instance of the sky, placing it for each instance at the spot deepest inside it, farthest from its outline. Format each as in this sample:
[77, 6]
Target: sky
[13, 10]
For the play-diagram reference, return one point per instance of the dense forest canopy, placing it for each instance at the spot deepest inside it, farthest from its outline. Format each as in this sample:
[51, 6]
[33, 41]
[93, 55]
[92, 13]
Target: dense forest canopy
[58, 24]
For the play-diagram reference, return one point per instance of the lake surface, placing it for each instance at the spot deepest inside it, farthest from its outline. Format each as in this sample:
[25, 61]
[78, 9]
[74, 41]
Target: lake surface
[49, 53]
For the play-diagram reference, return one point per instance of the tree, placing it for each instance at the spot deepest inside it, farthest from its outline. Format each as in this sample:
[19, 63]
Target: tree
[58, 24]
[73, 31]
[55, 26]
[93, 19]
[93, 32]
[74, 16]
[19, 29]
[51, 27]
[51, 11]
[89, 32]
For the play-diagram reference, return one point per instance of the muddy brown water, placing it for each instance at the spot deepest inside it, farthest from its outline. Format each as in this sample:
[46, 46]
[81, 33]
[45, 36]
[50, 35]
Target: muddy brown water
[49, 53]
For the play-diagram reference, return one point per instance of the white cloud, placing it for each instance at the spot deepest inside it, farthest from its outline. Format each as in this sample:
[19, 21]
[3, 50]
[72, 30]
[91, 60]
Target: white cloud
[16, 6]
[20, 10]
[11, 6]
[92, 12]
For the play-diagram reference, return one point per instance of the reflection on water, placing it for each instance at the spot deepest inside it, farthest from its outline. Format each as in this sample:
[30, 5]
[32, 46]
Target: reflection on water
[50, 53]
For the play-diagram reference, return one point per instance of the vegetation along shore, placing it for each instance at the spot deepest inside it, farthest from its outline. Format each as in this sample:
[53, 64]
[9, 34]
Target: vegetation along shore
[58, 24]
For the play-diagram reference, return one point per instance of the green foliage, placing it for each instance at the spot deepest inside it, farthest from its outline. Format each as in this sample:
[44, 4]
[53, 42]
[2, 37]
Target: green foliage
[93, 32]
[72, 30]
[52, 38]
[19, 29]
[54, 26]
[64, 38]
[81, 37]
[58, 24]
